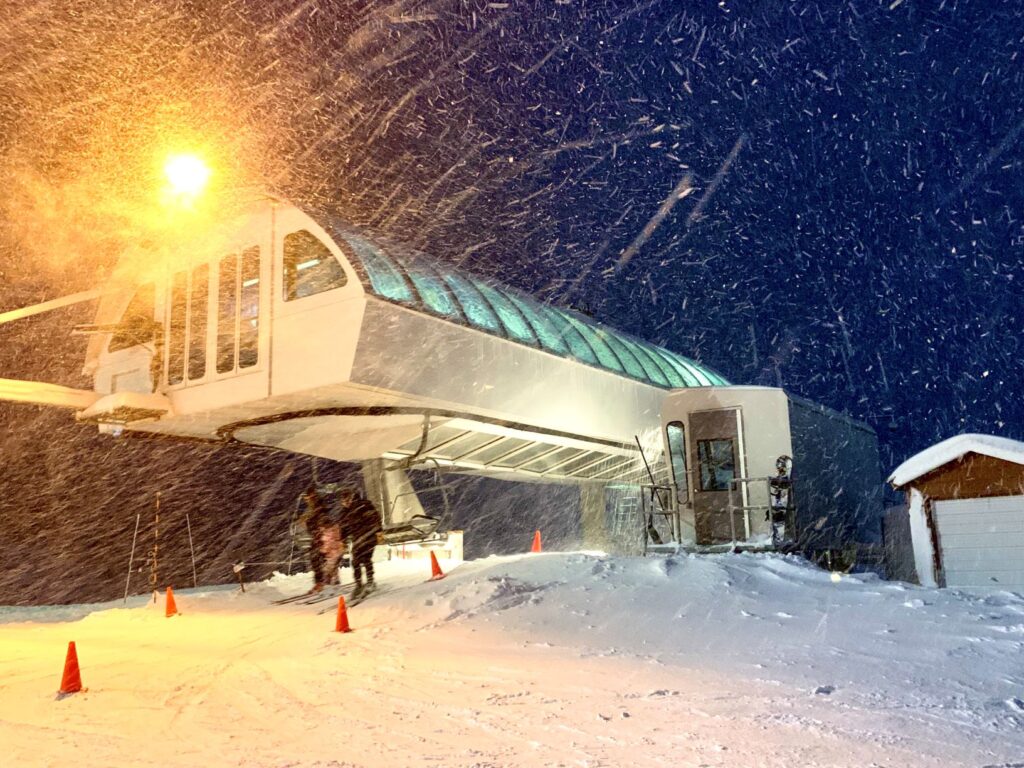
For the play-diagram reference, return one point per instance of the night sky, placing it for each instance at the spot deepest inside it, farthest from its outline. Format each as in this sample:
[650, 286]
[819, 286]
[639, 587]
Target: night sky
[852, 224]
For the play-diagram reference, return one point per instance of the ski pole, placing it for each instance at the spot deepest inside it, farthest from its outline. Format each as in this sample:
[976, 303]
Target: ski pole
[131, 558]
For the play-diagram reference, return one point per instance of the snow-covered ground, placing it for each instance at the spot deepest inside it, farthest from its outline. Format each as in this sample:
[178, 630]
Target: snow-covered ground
[561, 659]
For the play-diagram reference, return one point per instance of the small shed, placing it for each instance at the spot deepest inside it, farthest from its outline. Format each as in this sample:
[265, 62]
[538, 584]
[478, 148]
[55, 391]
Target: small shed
[965, 500]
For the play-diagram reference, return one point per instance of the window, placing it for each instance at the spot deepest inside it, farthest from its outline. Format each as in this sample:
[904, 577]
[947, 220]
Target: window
[137, 326]
[673, 377]
[717, 464]
[652, 370]
[511, 318]
[309, 267]
[227, 291]
[698, 375]
[249, 307]
[543, 327]
[177, 328]
[476, 308]
[578, 347]
[605, 357]
[385, 277]
[689, 380]
[675, 434]
[628, 359]
[238, 310]
[198, 300]
[436, 297]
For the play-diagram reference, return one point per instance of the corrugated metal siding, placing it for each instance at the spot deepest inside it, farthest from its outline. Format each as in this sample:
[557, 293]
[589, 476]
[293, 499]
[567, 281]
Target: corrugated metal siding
[982, 542]
[836, 477]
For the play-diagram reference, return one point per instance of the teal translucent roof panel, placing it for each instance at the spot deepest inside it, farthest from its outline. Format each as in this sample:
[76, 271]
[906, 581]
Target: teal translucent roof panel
[578, 346]
[605, 357]
[474, 305]
[684, 370]
[515, 324]
[432, 290]
[385, 275]
[629, 361]
[543, 327]
[672, 376]
[701, 375]
[653, 371]
[445, 292]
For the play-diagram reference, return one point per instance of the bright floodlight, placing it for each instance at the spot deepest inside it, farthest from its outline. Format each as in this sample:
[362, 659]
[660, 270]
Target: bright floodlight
[187, 174]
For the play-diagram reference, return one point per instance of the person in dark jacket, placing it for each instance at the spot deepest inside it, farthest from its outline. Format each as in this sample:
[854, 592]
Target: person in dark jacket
[315, 519]
[360, 524]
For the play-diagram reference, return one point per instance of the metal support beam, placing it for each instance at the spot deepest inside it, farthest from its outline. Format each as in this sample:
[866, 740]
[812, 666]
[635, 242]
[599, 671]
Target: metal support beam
[47, 306]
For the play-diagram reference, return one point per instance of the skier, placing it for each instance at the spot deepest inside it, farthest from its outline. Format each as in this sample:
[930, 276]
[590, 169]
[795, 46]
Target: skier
[360, 522]
[332, 547]
[316, 521]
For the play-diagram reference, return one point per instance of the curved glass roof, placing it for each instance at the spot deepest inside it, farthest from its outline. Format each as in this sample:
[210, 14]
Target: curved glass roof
[449, 293]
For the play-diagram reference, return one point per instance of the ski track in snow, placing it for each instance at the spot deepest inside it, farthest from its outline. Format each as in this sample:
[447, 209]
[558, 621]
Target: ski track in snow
[574, 659]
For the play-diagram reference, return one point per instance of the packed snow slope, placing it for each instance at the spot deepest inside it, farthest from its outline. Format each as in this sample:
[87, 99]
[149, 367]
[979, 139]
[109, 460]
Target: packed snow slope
[561, 659]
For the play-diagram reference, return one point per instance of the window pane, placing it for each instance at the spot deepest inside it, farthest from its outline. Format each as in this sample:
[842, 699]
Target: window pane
[515, 324]
[227, 313]
[672, 376]
[249, 320]
[477, 311]
[653, 371]
[432, 290]
[676, 436]
[605, 357]
[717, 464]
[545, 463]
[199, 294]
[137, 326]
[578, 347]
[385, 276]
[629, 361]
[309, 267]
[699, 376]
[689, 380]
[543, 327]
[176, 342]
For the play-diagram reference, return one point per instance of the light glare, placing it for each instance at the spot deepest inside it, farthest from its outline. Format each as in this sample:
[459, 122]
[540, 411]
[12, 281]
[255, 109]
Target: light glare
[187, 174]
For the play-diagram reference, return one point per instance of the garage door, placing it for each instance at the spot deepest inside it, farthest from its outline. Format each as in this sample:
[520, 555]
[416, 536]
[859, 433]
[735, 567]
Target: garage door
[982, 542]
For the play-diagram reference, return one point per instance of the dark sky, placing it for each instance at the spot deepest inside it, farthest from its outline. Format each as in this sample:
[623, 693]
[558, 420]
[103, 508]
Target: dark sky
[853, 228]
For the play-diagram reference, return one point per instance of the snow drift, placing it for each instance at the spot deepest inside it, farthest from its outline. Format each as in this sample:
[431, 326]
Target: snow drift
[553, 659]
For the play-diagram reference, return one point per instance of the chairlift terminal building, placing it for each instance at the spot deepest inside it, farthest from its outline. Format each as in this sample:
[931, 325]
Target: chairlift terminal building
[303, 334]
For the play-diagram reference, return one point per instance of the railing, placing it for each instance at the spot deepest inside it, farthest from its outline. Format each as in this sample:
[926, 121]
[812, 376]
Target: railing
[738, 484]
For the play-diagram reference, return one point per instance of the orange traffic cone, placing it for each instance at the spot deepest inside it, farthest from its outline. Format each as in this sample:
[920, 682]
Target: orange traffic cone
[172, 607]
[71, 680]
[435, 568]
[536, 542]
[341, 623]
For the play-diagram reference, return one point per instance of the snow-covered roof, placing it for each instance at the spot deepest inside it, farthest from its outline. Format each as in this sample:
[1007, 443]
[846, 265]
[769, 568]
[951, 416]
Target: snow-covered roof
[954, 448]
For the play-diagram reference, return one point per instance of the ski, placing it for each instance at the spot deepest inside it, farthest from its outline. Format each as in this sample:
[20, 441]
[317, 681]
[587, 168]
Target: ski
[322, 596]
[292, 599]
[306, 598]
[351, 603]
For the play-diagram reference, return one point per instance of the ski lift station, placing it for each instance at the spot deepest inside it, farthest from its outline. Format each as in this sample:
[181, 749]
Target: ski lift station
[300, 333]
